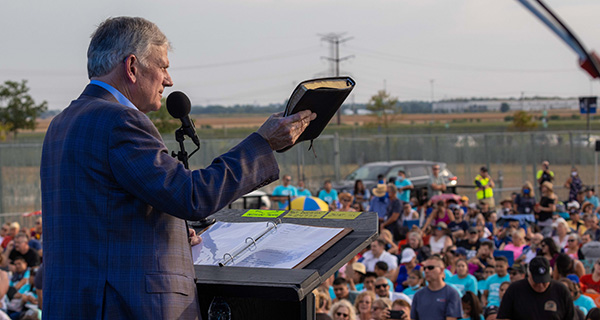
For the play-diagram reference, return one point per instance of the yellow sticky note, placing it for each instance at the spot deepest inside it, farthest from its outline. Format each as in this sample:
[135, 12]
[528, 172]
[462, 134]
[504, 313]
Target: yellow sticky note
[342, 215]
[263, 213]
[305, 214]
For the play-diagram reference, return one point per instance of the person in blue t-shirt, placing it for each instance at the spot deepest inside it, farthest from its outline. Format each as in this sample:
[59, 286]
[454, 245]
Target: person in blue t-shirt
[379, 202]
[462, 279]
[329, 195]
[404, 186]
[491, 287]
[284, 190]
[302, 191]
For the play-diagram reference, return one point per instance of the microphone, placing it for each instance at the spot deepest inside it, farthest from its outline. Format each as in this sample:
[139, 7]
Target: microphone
[179, 106]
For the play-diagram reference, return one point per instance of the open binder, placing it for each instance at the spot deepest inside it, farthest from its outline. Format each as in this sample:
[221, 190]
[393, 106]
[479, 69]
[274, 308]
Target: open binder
[269, 244]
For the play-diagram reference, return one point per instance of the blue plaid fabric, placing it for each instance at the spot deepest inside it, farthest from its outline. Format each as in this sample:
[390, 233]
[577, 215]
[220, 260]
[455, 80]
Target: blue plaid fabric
[113, 200]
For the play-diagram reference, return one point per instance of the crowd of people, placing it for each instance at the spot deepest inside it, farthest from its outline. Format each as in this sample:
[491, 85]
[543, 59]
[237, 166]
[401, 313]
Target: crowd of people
[20, 273]
[531, 256]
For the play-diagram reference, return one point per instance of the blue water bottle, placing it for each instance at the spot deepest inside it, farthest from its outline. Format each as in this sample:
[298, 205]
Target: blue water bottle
[219, 309]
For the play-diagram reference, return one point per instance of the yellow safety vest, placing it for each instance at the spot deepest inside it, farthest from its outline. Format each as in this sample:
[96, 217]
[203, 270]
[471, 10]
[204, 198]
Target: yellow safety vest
[485, 193]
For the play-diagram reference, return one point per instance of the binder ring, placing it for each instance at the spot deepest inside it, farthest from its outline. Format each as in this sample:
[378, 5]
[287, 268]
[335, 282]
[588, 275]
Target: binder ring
[274, 223]
[225, 259]
[251, 239]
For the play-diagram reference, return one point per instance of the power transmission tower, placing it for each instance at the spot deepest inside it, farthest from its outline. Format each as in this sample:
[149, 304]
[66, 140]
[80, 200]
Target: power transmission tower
[334, 40]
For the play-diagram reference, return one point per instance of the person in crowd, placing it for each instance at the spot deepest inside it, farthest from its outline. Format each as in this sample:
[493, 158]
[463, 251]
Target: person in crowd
[407, 264]
[414, 283]
[490, 313]
[573, 248]
[19, 247]
[440, 213]
[566, 266]
[484, 184]
[462, 280]
[472, 213]
[436, 300]
[459, 226]
[517, 244]
[506, 207]
[329, 195]
[361, 193]
[544, 209]
[531, 251]
[440, 239]
[545, 174]
[579, 311]
[390, 245]
[483, 258]
[464, 203]
[471, 243]
[491, 223]
[342, 291]
[381, 308]
[415, 242]
[502, 289]
[408, 213]
[517, 272]
[587, 208]
[283, 191]
[36, 232]
[436, 184]
[450, 255]
[302, 190]
[4, 231]
[364, 304]
[355, 274]
[13, 230]
[549, 250]
[342, 310]
[322, 305]
[591, 197]
[346, 202]
[537, 297]
[471, 307]
[404, 186]
[491, 287]
[592, 281]
[20, 277]
[580, 300]
[489, 271]
[392, 212]
[562, 233]
[575, 222]
[369, 283]
[382, 290]
[380, 201]
[378, 253]
[574, 184]
[593, 229]
[22, 297]
[403, 306]
[525, 201]
[382, 270]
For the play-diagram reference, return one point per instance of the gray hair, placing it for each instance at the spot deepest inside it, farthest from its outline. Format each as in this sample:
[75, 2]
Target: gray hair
[116, 38]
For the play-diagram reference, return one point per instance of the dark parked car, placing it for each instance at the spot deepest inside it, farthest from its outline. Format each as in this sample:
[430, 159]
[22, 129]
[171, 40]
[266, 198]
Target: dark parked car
[417, 171]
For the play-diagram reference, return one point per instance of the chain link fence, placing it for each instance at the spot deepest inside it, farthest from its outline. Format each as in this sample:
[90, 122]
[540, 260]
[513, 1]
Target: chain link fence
[512, 159]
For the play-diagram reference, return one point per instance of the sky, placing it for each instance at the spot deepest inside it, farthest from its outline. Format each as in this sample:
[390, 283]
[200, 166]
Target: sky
[256, 51]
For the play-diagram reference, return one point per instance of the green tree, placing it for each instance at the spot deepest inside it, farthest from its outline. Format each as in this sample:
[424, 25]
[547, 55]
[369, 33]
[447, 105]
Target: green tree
[504, 107]
[17, 108]
[523, 121]
[384, 107]
[162, 119]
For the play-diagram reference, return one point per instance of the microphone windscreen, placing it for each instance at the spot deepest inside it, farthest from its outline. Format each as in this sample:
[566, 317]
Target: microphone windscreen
[178, 104]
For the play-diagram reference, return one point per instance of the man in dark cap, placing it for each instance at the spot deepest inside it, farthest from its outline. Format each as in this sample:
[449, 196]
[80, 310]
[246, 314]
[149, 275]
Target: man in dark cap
[537, 297]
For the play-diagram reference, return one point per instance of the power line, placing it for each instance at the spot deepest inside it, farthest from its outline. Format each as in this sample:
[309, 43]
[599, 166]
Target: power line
[334, 40]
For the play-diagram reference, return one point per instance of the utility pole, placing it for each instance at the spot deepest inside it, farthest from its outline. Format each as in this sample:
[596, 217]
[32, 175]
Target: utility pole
[334, 40]
[432, 100]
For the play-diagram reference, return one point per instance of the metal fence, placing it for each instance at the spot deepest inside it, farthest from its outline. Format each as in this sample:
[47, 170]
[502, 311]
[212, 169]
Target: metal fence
[511, 157]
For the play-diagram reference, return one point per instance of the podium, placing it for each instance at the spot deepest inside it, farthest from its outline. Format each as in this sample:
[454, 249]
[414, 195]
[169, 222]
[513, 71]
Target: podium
[266, 293]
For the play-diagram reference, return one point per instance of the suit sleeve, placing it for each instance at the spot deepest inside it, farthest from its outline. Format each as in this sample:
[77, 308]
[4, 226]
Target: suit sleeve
[141, 164]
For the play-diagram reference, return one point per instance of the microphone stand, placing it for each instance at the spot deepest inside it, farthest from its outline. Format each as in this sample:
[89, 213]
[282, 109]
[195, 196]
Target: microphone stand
[182, 156]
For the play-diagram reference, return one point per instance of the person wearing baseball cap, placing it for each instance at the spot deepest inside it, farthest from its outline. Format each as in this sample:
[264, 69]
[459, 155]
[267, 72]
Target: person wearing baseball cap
[537, 296]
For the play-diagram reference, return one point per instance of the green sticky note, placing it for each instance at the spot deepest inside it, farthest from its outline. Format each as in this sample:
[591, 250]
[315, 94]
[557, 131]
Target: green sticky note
[305, 214]
[263, 213]
[342, 215]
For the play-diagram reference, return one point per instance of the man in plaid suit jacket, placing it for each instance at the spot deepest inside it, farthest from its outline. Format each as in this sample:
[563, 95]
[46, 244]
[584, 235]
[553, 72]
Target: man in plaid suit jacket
[113, 200]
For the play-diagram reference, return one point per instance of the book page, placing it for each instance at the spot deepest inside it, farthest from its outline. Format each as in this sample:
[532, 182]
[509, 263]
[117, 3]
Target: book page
[282, 247]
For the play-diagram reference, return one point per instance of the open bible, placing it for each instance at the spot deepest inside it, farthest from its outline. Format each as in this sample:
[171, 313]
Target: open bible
[264, 244]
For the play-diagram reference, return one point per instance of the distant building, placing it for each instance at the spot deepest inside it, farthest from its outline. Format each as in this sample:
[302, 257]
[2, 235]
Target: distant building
[515, 105]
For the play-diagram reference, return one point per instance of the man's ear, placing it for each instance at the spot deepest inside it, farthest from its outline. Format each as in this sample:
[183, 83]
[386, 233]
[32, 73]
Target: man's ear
[131, 67]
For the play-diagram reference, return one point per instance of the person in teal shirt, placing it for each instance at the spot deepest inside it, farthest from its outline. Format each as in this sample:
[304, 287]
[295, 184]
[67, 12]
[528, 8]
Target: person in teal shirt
[302, 191]
[581, 301]
[462, 279]
[284, 190]
[329, 195]
[491, 286]
[404, 186]
[415, 282]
